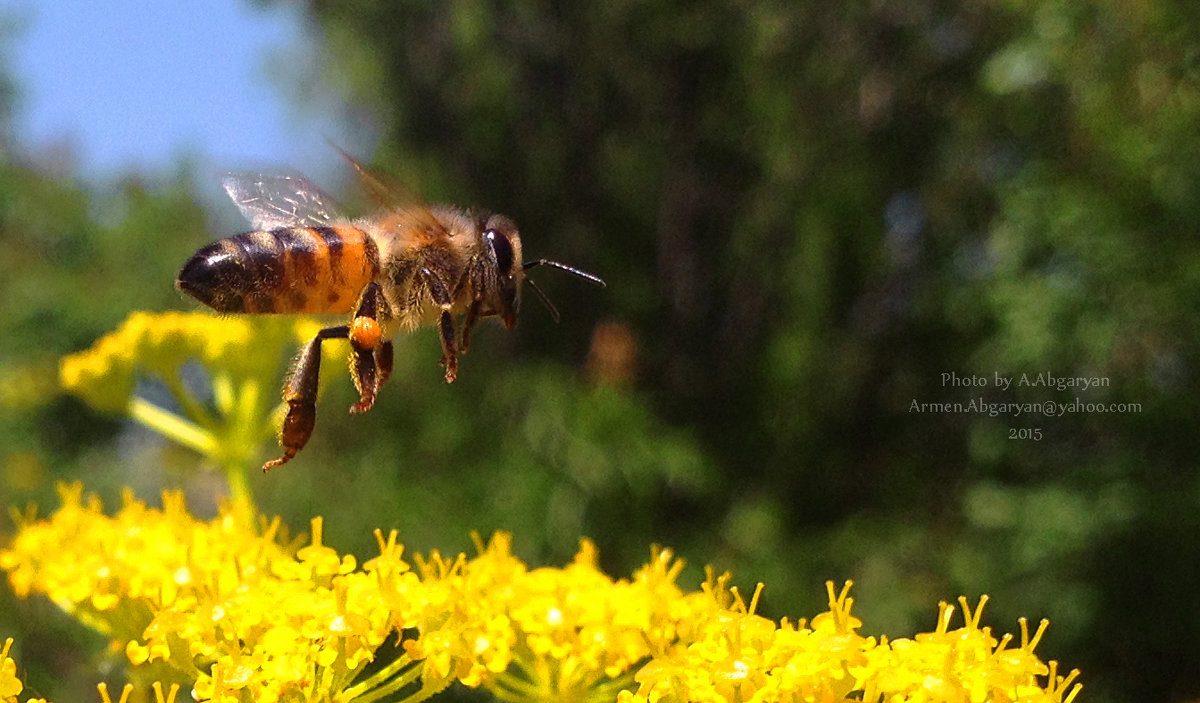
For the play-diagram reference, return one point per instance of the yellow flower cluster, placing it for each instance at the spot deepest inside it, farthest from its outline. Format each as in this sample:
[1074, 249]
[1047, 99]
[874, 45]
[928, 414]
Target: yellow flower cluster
[228, 608]
[162, 343]
[294, 625]
[739, 656]
[242, 358]
[569, 633]
[114, 572]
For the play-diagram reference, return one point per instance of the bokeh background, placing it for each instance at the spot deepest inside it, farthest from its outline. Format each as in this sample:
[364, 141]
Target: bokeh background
[806, 212]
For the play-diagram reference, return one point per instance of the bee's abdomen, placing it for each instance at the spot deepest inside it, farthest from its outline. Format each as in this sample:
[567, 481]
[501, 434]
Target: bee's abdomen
[291, 270]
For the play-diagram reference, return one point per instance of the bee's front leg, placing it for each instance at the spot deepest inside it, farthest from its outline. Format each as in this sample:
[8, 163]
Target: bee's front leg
[371, 355]
[473, 278]
[441, 296]
[468, 323]
[300, 392]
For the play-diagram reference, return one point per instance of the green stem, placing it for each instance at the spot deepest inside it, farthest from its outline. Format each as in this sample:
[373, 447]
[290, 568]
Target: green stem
[223, 394]
[239, 487]
[242, 430]
[515, 689]
[195, 411]
[382, 684]
[608, 691]
[377, 678]
[398, 683]
[429, 689]
[172, 426]
[506, 692]
[248, 411]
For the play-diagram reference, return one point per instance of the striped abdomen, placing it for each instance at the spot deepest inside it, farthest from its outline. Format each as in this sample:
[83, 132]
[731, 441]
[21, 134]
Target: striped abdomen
[298, 269]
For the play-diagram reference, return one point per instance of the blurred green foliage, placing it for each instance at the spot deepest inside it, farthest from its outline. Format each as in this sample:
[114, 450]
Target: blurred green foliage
[807, 213]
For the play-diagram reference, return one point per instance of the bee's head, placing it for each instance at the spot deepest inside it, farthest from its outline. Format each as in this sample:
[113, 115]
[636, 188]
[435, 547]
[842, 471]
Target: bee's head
[502, 247]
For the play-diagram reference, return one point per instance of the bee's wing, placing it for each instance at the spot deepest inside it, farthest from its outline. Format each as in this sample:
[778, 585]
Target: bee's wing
[406, 208]
[278, 199]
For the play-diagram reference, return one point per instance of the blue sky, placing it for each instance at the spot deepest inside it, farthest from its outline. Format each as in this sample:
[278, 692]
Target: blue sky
[134, 85]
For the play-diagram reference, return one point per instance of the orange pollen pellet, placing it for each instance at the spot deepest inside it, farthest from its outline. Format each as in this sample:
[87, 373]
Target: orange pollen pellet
[365, 333]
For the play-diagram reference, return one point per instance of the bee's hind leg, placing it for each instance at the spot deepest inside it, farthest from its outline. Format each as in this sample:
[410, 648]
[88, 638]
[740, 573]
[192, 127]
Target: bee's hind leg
[371, 354]
[383, 362]
[300, 392]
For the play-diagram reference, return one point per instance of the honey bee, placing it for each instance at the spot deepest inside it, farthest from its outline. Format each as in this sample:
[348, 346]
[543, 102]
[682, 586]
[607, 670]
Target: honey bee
[409, 265]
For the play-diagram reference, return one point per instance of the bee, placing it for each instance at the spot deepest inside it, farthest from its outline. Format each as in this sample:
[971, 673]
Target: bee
[408, 265]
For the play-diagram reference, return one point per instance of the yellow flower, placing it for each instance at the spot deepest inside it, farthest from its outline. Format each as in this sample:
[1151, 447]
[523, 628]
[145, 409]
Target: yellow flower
[157, 687]
[243, 359]
[10, 684]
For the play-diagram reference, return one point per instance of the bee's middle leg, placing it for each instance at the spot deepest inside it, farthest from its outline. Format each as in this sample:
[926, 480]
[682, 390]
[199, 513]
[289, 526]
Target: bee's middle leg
[300, 392]
[371, 354]
[441, 296]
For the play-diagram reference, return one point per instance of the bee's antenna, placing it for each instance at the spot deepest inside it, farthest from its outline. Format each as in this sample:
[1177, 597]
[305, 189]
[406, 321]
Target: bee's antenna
[569, 269]
[545, 301]
[590, 278]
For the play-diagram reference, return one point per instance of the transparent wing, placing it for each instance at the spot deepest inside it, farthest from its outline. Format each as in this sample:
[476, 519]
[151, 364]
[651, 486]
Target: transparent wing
[406, 208]
[273, 200]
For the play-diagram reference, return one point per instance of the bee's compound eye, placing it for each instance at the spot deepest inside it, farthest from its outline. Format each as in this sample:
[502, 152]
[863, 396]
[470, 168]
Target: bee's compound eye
[502, 248]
